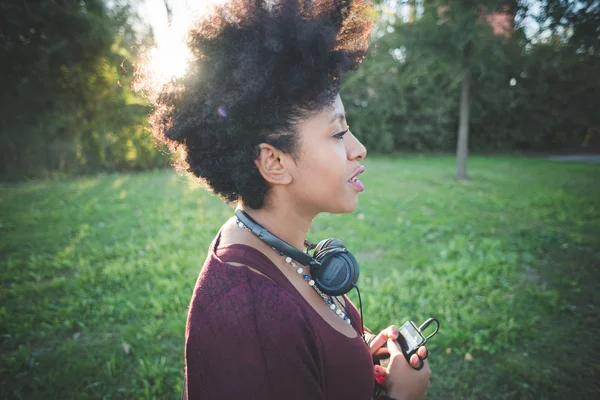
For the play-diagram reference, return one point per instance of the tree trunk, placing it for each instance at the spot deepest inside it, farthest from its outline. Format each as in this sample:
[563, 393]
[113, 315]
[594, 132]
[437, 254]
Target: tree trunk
[412, 9]
[463, 126]
[169, 13]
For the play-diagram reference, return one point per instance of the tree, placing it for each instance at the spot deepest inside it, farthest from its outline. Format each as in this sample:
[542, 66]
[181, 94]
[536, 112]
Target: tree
[421, 57]
[66, 102]
[466, 29]
[560, 80]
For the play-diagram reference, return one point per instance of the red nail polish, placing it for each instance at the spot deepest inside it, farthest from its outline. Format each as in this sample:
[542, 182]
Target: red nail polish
[380, 379]
[377, 369]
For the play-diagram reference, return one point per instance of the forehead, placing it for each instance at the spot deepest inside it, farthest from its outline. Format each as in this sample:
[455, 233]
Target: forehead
[336, 108]
[321, 120]
[332, 113]
[326, 116]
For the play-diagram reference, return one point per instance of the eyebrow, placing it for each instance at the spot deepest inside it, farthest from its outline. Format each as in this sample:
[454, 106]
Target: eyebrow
[338, 116]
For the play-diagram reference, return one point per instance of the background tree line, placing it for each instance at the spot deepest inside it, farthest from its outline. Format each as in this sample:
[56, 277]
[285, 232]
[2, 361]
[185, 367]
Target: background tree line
[437, 69]
[538, 92]
[66, 102]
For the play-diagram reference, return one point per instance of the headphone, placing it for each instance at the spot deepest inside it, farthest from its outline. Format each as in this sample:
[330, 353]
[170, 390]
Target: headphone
[333, 268]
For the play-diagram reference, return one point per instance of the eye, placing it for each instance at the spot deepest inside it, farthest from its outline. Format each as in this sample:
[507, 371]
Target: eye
[341, 134]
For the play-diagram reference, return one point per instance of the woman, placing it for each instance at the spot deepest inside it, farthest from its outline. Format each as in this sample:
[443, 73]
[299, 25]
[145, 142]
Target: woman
[258, 118]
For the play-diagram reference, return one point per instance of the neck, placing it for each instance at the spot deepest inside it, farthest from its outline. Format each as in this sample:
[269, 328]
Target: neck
[291, 227]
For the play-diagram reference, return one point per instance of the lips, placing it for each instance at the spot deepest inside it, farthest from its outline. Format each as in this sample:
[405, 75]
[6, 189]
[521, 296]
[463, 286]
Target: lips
[358, 171]
[355, 182]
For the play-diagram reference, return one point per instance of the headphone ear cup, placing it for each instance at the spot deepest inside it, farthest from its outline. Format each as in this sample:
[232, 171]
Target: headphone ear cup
[338, 271]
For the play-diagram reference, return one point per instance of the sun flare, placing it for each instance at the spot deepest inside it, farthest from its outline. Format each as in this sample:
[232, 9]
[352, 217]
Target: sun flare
[169, 59]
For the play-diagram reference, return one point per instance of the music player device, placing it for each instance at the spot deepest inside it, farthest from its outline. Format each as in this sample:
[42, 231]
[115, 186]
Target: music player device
[410, 339]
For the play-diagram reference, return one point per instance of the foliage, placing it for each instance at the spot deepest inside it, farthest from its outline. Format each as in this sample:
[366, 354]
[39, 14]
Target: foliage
[575, 23]
[66, 106]
[559, 85]
[555, 100]
[401, 105]
[97, 274]
[414, 74]
[529, 92]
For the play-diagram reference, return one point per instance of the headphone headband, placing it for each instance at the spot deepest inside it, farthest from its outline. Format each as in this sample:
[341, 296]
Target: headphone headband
[273, 241]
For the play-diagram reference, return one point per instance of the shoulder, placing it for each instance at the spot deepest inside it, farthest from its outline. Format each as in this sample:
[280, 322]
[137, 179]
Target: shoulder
[228, 295]
[263, 339]
[258, 317]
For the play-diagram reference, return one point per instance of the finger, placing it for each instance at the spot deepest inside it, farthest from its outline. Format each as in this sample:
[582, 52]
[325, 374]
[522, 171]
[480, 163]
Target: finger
[425, 364]
[380, 374]
[416, 362]
[389, 332]
[378, 370]
[422, 353]
[394, 348]
[382, 353]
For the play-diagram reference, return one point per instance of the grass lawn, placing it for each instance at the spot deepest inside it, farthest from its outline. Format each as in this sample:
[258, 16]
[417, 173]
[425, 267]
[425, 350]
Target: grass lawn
[97, 273]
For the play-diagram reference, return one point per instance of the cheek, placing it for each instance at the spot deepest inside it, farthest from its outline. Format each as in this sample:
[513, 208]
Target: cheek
[324, 167]
[333, 170]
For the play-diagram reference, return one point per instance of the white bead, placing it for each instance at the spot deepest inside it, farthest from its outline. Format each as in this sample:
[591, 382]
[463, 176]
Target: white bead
[311, 283]
[241, 225]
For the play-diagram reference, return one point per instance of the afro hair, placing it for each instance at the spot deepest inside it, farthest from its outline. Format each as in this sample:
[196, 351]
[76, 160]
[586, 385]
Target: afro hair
[257, 67]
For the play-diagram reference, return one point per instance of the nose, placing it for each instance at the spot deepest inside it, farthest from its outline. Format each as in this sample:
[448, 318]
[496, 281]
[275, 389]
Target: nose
[355, 149]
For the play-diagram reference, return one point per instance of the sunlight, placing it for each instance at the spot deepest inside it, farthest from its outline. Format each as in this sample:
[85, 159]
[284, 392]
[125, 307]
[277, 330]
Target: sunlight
[170, 58]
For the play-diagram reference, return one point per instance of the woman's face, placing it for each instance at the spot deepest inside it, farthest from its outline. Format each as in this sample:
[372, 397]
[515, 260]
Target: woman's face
[328, 162]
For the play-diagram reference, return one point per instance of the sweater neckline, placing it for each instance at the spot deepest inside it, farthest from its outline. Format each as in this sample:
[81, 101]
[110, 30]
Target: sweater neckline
[266, 266]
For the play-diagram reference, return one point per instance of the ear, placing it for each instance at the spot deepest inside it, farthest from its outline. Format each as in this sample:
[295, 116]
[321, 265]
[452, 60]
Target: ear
[274, 165]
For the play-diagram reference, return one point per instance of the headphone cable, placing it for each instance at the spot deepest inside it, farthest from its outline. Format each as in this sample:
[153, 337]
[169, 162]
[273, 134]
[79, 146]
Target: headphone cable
[360, 331]
[362, 328]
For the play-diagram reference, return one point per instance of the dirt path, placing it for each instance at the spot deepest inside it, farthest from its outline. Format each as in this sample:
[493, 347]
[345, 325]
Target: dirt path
[579, 158]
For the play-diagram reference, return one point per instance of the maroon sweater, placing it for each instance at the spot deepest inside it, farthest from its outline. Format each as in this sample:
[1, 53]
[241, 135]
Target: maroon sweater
[251, 337]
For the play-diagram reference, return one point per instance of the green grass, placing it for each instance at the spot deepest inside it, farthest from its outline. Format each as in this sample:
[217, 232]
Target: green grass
[97, 273]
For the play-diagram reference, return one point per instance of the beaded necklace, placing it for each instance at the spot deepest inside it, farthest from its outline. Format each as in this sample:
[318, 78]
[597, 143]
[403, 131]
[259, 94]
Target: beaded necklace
[300, 271]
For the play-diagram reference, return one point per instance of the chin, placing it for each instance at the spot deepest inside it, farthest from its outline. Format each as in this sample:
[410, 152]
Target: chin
[346, 207]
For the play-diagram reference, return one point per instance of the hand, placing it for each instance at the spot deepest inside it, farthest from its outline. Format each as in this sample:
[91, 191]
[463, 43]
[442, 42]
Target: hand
[378, 346]
[401, 380]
